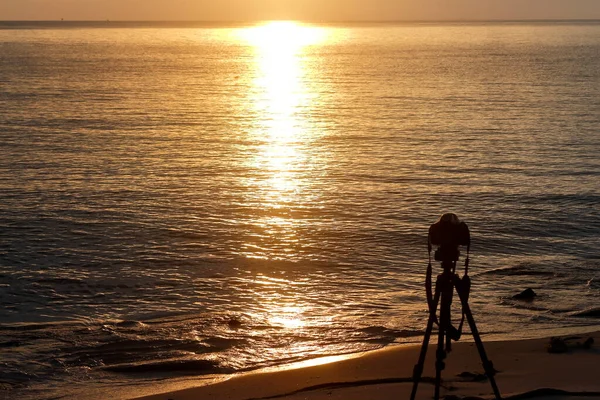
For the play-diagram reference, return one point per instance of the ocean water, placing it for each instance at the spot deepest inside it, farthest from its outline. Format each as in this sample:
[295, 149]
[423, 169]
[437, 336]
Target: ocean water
[191, 200]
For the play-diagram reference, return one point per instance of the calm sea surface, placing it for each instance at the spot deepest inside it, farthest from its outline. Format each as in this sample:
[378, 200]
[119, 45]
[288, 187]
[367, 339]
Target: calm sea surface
[194, 199]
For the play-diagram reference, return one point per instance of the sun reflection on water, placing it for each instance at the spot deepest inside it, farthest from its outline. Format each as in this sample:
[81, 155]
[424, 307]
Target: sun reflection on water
[281, 132]
[281, 136]
[281, 309]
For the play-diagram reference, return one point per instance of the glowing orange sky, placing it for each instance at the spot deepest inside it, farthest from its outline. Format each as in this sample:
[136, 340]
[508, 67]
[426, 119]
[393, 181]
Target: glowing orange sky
[320, 10]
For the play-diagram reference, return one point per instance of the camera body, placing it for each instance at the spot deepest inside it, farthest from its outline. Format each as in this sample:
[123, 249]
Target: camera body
[448, 233]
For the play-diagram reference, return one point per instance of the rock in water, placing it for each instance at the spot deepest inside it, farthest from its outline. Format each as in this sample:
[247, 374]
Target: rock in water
[234, 323]
[527, 294]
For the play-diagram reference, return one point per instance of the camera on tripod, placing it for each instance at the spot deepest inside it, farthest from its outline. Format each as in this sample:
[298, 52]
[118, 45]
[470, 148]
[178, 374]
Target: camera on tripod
[448, 233]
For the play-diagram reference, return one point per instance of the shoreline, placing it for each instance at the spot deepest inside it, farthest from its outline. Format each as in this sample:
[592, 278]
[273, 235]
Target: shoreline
[524, 365]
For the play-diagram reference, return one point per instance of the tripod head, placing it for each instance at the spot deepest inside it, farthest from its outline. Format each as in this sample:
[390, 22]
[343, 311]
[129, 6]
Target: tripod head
[448, 233]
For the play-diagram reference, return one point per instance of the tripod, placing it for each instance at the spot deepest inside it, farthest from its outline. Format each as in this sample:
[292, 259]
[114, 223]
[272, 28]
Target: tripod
[446, 282]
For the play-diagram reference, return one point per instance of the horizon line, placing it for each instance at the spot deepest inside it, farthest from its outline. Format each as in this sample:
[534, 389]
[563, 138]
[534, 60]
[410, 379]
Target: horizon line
[311, 21]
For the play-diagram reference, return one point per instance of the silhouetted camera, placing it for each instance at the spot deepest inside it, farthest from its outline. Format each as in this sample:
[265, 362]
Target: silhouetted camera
[448, 233]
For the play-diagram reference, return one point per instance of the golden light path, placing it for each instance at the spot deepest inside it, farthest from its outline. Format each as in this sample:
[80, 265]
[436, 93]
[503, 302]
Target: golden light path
[280, 99]
[280, 95]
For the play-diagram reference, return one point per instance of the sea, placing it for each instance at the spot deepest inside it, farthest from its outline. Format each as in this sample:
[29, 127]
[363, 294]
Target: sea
[180, 202]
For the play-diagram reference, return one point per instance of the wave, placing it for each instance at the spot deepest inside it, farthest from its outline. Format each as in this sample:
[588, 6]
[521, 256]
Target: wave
[10, 343]
[383, 332]
[519, 270]
[589, 313]
[186, 367]
[33, 326]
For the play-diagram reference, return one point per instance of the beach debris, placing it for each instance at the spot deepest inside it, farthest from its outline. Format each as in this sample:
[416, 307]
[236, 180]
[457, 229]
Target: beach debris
[472, 376]
[563, 345]
[527, 294]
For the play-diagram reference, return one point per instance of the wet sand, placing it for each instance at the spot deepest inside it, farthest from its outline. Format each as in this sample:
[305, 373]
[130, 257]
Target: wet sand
[526, 370]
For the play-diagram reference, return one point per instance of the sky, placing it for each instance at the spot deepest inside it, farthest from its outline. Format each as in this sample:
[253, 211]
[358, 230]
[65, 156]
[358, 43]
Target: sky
[310, 10]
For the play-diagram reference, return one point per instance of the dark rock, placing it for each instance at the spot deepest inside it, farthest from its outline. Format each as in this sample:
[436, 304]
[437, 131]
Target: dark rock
[234, 323]
[557, 345]
[527, 294]
[563, 345]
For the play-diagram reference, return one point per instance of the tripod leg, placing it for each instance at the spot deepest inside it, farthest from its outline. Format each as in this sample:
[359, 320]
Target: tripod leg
[440, 355]
[487, 364]
[418, 370]
[447, 290]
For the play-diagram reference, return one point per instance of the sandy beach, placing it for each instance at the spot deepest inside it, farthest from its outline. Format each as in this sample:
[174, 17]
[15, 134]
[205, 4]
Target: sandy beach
[526, 369]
